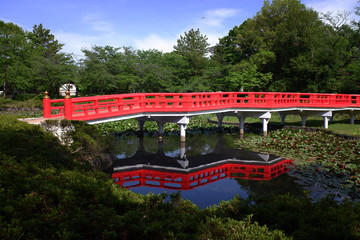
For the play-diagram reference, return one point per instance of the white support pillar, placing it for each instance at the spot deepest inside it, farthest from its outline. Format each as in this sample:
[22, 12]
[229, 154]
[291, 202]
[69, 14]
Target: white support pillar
[182, 132]
[326, 116]
[326, 122]
[183, 160]
[265, 125]
[182, 150]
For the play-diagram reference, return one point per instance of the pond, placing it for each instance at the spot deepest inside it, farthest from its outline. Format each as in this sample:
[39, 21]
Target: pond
[210, 168]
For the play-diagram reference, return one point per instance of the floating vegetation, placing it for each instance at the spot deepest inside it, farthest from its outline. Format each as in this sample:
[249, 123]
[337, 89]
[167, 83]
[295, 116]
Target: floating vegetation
[323, 152]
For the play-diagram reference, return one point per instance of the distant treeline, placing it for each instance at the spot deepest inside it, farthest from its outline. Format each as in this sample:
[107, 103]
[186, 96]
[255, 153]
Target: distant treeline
[285, 47]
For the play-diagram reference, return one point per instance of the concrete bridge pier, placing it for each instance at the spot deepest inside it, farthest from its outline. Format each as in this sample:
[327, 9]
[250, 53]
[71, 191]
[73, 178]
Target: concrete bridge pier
[352, 118]
[141, 127]
[141, 146]
[326, 122]
[182, 150]
[265, 125]
[327, 115]
[303, 120]
[161, 125]
[220, 118]
[182, 121]
[160, 150]
[352, 115]
[182, 132]
[265, 117]
[282, 118]
[241, 123]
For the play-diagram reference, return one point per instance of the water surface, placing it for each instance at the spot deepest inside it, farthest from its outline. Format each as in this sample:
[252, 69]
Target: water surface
[207, 169]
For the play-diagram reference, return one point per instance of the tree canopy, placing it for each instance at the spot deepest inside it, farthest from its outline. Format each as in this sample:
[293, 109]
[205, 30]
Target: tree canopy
[286, 46]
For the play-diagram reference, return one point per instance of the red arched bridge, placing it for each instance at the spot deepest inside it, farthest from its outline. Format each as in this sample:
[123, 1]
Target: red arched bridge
[180, 107]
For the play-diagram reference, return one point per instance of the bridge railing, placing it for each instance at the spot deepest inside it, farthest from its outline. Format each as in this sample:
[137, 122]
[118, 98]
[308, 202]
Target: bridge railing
[88, 108]
[186, 181]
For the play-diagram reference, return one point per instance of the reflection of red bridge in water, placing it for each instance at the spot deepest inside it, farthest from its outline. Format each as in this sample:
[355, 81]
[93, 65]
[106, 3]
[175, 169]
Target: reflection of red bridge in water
[186, 181]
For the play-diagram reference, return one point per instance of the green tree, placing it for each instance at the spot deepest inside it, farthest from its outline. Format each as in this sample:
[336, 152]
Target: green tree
[109, 70]
[193, 46]
[290, 42]
[177, 71]
[13, 58]
[152, 75]
[50, 67]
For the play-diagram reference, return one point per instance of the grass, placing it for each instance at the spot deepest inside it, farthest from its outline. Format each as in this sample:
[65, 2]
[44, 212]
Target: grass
[340, 124]
[22, 108]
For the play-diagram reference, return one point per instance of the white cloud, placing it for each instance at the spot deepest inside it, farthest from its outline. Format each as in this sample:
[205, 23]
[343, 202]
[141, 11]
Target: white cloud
[74, 42]
[215, 18]
[154, 41]
[335, 7]
[97, 23]
[213, 38]
[331, 5]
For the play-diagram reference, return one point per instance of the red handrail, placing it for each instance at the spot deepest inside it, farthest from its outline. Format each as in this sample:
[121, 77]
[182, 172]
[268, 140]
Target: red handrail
[186, 181]
[89, 108]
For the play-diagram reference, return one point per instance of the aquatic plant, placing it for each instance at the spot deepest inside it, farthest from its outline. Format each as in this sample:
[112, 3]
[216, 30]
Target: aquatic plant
[333, 154]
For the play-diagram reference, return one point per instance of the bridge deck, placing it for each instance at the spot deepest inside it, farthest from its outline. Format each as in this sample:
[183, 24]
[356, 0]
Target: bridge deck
[147, 104]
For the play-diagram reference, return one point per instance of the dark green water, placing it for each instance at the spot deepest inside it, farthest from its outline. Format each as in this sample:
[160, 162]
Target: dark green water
[145, 159]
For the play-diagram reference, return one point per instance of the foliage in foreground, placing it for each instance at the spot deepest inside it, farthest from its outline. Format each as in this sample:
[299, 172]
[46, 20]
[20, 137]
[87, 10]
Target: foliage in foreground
[46, 194]
[299, 217]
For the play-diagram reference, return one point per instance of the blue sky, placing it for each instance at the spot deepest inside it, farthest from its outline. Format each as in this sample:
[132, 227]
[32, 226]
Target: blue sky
[141, 24]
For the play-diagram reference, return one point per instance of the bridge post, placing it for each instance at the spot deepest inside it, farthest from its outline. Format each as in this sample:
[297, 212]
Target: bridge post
[68, 106]
[183, 122]
[47, 105]
[160, 150]
[326, 116]
[265, 125]
[141, 147]
[182, 132]
[352, 118]
[303, 120]
[326, 122]
[182, 150]
[241, 124]
[282, 118]
[220, 118]
[265, 117]
[141, 127]
[161, 129]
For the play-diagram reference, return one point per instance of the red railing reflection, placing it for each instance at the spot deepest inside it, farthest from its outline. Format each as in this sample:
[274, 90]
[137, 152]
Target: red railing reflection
[186, 181]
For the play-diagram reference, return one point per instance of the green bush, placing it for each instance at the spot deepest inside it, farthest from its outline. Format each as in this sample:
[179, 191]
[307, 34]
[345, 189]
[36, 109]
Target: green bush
[297, 217]
[24, 96]
[46, 194]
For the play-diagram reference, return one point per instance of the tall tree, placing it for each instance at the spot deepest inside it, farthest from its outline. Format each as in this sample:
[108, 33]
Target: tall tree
[193, 46]
[13, 58]
[291, 43]
[50, 67]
